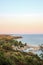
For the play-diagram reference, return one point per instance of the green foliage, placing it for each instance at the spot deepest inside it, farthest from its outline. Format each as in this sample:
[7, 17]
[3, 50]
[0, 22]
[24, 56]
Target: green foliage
[41, 47]
[21, 44]
[16, 43]
[16, 57]
[4, 60]
[7, 46]
[41, 56]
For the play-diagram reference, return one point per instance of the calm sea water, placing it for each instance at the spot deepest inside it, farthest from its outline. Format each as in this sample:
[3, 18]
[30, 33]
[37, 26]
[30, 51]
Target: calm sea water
[32, 39]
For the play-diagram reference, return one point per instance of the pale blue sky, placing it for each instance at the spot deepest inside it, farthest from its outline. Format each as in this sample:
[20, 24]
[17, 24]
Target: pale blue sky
[21, 16]
[21, 6]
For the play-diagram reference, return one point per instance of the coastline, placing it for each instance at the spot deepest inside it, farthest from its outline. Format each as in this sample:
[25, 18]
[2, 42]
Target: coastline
[26, 48]
[4, 36]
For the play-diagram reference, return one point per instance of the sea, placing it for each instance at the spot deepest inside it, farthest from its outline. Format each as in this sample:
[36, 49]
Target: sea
[32, 39]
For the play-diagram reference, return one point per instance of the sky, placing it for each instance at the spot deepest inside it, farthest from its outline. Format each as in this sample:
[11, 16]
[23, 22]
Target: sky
[21, 16]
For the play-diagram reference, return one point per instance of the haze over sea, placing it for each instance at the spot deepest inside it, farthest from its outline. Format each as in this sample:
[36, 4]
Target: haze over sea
[32, 39]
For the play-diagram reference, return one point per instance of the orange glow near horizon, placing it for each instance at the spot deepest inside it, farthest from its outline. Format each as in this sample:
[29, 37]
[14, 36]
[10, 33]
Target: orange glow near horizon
[22, 24]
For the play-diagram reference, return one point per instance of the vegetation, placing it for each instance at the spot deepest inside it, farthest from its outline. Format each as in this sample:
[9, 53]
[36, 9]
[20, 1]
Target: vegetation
[41, 48]
[8, 56]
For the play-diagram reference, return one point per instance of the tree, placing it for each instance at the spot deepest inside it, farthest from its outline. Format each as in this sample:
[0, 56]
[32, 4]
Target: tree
[41, 47]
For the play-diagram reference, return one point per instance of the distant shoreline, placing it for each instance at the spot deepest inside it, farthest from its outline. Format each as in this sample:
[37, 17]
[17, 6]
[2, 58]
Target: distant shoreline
[26, 47]
[2, 36]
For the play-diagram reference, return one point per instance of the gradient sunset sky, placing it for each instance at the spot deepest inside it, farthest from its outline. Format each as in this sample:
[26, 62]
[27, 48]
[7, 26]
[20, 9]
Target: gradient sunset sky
[21, 16]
